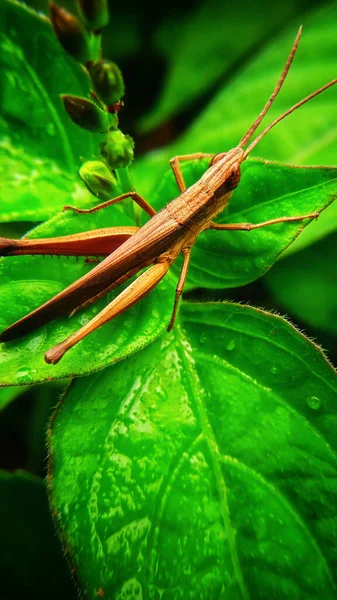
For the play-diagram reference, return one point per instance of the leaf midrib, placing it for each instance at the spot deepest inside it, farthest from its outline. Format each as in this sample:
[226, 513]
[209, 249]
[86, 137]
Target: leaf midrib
[208, 433]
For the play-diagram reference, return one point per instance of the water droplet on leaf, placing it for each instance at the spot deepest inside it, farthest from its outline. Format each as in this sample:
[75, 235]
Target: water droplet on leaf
[231, 345]
[50, 129]
[203, 338]
[25, 375]
[314, 402]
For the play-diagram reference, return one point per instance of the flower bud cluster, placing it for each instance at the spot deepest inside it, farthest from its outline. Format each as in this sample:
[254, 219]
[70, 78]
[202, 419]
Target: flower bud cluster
[80, 37]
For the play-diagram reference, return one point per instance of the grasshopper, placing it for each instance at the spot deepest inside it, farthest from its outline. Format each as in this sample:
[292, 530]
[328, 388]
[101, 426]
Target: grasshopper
[128, 250]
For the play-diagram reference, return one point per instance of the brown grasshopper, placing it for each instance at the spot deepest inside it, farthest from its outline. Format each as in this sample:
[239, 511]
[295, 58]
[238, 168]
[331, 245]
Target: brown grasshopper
[169, 232]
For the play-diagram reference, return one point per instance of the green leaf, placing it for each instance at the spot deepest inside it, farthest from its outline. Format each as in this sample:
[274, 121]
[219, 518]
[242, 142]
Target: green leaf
[308, 136]
[28, 281]
[206, 48]
[204, 466]
[7, 395]
[33, 188]
[266, 191]
[37, 139]
[306, 285]
[32, 564]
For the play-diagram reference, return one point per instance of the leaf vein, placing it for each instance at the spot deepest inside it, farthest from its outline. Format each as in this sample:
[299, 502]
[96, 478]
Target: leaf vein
[288, 506]
[65, 142]
[224, 364]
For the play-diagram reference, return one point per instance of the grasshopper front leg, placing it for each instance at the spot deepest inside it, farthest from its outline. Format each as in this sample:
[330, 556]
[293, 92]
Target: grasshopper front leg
[180, 287]
[136, 197]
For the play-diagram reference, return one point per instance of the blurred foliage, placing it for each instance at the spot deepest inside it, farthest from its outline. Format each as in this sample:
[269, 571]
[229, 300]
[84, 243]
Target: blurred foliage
[206, 53]
[305, 285]
[31, 564]
[197, 74]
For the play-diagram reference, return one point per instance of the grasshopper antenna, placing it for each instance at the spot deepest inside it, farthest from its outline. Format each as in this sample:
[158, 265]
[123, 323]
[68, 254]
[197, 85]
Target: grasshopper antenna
[279, 85]
[285, 114]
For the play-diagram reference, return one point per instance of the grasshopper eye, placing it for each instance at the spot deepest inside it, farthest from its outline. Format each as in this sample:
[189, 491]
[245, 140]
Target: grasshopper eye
[216, 158]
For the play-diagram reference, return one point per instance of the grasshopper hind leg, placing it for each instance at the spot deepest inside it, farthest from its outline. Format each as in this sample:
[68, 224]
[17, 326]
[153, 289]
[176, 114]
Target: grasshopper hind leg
[132, 294]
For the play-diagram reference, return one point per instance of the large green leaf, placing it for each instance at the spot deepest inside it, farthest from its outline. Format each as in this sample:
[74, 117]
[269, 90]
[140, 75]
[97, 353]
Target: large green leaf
[206, 48]
[32, 565]
[309, 136]
[204, 466]
[40, 148]
[306, 285]
[266, 191]
[28, 281]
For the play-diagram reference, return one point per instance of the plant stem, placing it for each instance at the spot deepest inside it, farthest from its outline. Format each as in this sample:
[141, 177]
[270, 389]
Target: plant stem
[126, 184]
[97, 47]
[125, 180]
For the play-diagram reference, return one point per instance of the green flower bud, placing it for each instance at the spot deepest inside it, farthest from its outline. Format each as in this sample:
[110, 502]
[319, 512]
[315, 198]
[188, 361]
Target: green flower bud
[94, 13]
[87, 115]
[107, 80]
[98, 179]
[71, 33]
[117, 149]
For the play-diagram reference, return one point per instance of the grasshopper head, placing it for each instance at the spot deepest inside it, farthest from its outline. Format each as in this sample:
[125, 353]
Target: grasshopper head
[228, 164]
[235, 155]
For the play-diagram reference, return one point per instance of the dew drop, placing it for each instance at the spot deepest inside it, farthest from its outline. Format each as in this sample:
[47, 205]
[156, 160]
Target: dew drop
[50, 129]
[314, 402]
[203, 338]
[25, 375]
[161, 394]
[274, 370]
[231, 345]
